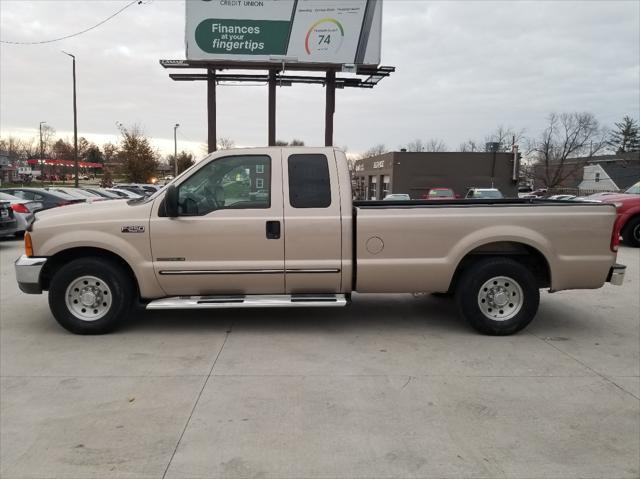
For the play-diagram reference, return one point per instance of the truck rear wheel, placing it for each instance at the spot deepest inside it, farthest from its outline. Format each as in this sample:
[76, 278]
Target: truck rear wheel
[498, 296]
[90, 296]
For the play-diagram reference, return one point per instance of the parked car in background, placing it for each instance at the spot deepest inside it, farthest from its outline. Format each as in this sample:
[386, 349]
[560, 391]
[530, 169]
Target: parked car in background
[96, 190]
[628, 210]
[77, 193]
[122, 193]
[533, 194]
[23, 210]
[49, 199]
[561, 197]
[259, 195]
[397, 197]
[440, 194]
[484, 193]
[135, 189]
[8, 224]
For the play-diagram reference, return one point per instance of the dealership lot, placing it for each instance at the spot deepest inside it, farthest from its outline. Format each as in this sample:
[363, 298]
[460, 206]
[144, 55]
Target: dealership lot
[392, 386]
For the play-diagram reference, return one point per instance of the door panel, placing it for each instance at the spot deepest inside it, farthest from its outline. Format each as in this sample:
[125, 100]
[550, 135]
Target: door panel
[312, 229]
[223, 245]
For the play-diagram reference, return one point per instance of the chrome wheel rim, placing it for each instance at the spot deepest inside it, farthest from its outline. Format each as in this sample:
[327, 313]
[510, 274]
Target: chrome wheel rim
[88, 298]
[500, 298]
[636, 232]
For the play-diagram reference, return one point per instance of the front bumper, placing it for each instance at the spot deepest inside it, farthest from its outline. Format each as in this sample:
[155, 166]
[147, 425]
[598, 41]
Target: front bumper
[616, 274]
[28, 274]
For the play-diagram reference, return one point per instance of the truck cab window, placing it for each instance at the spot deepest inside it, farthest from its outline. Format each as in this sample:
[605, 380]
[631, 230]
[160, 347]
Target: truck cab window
[309, 185]
[233, 182]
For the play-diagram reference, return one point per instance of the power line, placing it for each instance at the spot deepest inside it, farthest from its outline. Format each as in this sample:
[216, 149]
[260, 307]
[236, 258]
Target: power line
[139, 2]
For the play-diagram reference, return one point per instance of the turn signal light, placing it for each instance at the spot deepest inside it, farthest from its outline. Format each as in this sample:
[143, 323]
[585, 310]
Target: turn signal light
[28, 246]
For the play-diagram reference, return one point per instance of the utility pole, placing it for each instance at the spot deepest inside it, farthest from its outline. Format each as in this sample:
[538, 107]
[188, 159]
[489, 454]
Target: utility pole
[41, 155]
[75, 123]
[175, 149]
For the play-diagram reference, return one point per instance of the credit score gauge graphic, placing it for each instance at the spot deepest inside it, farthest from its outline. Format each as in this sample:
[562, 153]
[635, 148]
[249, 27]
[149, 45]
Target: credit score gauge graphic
[325, 35]
[335, 32]
[305, 31]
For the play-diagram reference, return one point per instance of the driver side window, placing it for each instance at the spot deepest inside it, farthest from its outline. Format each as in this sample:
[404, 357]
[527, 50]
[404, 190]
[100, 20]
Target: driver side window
[232, 182]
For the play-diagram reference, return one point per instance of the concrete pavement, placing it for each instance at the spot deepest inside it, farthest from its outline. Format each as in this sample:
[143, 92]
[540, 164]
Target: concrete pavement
[390, 387]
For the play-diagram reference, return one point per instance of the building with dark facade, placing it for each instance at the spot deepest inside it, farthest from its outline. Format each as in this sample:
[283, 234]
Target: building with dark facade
[415, 173]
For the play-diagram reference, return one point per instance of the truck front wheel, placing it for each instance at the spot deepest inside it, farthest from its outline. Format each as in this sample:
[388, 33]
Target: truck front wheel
[90, 295]
[498, 296]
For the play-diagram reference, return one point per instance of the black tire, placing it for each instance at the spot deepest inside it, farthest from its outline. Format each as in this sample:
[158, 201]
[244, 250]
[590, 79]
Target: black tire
[516, 279]
[446, 295]
[118, 284]
[631, 232]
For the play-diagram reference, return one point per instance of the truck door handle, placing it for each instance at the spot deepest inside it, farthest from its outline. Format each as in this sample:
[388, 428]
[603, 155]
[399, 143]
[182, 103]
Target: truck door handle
[273, 230]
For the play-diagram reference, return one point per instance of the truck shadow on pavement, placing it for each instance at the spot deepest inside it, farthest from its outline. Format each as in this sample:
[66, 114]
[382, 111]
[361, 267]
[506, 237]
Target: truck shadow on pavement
[424, 314]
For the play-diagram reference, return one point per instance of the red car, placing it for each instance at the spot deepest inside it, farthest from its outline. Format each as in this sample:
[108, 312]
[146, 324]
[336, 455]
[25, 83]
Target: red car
[628, 209]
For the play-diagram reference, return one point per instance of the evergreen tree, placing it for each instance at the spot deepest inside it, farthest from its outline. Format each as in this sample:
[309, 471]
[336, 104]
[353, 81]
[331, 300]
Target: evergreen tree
[139, 160]
[625, 137]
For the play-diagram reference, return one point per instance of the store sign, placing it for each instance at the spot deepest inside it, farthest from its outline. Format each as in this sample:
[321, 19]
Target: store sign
[304, 31]
[378, 164]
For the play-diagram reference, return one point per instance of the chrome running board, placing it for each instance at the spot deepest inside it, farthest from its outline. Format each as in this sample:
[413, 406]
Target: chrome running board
[250, 301]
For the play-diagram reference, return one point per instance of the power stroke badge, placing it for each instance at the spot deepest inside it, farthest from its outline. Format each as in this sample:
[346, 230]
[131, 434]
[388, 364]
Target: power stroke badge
[132, 229]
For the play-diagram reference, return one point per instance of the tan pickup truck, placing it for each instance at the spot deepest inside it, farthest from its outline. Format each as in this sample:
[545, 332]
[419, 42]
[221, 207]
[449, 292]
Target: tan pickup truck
[277, 227]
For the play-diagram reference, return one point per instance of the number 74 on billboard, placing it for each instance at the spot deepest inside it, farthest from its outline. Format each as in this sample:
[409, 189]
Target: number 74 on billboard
[309, 31]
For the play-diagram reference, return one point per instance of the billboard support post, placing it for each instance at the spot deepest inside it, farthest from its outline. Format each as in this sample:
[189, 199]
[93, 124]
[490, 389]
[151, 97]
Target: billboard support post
[274, 76]
[272, 107]
[330, 107]
[212, 141]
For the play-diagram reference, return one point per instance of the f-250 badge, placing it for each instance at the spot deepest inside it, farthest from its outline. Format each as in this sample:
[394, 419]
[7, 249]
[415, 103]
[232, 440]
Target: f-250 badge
[132, 229]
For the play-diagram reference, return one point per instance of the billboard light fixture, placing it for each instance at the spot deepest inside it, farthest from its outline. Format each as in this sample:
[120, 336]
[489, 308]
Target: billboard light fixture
[283, 58]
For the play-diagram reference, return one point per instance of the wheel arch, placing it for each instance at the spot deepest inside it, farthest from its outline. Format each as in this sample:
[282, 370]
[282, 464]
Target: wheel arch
[60, 258]
[526, 254]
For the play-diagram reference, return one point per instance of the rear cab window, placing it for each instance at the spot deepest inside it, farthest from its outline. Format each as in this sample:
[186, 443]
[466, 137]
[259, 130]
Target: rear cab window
[309, 184]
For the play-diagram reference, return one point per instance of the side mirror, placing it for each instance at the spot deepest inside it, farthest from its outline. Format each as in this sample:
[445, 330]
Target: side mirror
[171, 201]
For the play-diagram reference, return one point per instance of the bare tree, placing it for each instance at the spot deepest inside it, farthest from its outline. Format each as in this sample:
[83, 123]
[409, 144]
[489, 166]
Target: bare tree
[293, 142]
[435, 146]
[19, 148]
[468, 146]
[48, 134]
[505, 136]
[225, 143]
[374, 151]
[415, 145]
[563, 147]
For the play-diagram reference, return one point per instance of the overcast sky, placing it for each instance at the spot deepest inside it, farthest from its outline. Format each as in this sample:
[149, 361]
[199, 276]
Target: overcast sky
[463, 68]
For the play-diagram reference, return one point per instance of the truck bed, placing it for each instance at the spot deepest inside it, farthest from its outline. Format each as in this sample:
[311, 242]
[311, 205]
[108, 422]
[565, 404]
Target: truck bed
[417, 245]
[467, 202]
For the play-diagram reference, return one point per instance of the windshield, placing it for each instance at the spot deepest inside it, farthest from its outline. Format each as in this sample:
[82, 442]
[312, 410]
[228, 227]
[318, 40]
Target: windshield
[441, 193]
[4, 196]
[634, 190]
[489, 194]
[86, 194]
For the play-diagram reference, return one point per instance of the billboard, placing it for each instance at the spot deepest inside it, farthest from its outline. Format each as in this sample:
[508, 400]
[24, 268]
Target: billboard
[305, 31]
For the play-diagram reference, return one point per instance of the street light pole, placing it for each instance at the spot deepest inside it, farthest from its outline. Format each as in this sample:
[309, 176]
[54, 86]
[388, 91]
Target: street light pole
[41, 155]
[75, 123]
[175, 149]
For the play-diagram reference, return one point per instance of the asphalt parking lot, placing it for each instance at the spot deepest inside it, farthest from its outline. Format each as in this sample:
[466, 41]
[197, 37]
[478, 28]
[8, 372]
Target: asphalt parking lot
[391, 387]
